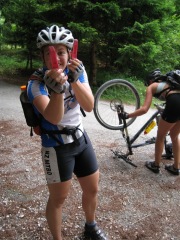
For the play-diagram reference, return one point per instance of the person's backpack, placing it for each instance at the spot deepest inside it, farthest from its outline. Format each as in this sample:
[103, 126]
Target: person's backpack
[32, 120]
[173, 78]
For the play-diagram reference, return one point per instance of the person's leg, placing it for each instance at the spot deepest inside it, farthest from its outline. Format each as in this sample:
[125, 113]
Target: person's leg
[86, 170]
[89, 185]
[175, 138]
[163, 128]
[58, 193]
[58, 165]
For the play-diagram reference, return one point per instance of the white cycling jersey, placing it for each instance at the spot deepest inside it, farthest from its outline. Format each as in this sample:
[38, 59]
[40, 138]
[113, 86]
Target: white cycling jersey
[72, 113]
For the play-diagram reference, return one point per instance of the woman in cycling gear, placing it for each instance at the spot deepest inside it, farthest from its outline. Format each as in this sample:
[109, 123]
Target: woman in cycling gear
[169, 122]
[66, 147]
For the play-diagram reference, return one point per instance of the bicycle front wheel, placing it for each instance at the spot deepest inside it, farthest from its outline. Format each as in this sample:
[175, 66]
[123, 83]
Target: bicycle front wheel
[109, 96]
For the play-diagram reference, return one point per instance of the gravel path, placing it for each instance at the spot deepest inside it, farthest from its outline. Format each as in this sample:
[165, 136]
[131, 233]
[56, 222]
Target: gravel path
[133, 202]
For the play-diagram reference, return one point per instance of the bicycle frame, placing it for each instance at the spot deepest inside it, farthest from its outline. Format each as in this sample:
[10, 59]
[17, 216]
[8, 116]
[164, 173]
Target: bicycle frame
[107, 108]
[133, 139]
[130, 141]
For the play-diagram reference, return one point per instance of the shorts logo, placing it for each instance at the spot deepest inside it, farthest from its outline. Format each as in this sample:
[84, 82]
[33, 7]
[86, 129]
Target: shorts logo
[47, 163]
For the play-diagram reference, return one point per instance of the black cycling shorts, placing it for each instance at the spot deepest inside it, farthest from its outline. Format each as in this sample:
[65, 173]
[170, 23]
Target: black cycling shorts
[62, 161]
[171, 112]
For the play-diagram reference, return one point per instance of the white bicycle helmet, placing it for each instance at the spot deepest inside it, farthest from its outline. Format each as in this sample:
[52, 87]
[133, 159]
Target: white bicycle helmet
[55, 35]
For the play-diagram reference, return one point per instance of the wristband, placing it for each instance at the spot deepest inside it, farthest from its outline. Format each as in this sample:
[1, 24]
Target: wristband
[126, 115]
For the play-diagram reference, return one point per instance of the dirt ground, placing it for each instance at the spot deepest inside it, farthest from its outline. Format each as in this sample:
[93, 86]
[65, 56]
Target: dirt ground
[134, 203]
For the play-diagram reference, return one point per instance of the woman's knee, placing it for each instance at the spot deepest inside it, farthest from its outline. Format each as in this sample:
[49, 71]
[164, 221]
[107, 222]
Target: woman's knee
[175, 138]
[160, 136]
[57, 201]
[58, 192]
[91, 191]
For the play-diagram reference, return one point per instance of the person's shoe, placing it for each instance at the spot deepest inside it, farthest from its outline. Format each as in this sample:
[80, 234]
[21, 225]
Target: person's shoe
[172, 169]
[151, 166]
[94, 233]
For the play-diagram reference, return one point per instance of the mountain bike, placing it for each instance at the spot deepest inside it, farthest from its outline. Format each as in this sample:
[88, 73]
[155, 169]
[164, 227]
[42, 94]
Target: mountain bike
[116, 96]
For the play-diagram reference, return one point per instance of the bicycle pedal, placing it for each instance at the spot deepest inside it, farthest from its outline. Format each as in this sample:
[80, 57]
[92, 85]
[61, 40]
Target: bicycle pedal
[152, 140]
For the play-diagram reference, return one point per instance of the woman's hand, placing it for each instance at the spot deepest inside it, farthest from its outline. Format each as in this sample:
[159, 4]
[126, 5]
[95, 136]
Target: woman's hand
[76, 68]
[73, 64]
[57, 75]
[56, 80]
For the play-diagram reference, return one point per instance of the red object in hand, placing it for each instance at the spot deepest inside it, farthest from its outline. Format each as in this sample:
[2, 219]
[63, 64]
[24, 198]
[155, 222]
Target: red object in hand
[53, 57]
[75, 49]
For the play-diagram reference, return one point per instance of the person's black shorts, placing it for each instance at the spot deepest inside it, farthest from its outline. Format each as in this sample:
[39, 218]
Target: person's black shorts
[171, 112]
[62, 161]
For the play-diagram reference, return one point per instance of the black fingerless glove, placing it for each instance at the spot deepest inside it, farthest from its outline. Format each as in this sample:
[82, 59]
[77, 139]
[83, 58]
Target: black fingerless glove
[54, 86]
[74, 76]
[124, 115]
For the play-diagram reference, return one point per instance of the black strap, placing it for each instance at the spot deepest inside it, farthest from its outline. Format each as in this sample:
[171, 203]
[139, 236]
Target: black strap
[83, 112]
[72, 132]
[157, 95]
[31, 131]
[67, 131]
[168, 92]
[168, 88]
[54, 137]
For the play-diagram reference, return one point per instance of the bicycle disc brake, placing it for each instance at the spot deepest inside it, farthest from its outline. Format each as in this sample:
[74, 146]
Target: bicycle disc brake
[114, 104]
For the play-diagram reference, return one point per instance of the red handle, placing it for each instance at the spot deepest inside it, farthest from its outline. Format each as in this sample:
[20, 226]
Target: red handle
[53, 57]
[75, 49]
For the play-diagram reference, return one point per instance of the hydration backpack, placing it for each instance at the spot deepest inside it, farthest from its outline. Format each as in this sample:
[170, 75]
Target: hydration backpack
[32, 119]
[173, 78]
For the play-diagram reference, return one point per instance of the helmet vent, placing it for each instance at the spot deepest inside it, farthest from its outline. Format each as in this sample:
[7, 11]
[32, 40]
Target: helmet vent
[62, 37]
[45, 37]
[53, 36]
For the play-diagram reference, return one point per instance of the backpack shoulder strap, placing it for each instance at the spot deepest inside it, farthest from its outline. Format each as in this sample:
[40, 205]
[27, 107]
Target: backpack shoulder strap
[37, 75]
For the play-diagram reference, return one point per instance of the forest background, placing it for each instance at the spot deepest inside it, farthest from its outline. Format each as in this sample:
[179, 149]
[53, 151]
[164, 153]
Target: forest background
[117, 39]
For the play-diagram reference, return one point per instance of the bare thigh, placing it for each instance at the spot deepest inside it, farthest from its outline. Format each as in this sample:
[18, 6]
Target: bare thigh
[164, 127]
[175, 130]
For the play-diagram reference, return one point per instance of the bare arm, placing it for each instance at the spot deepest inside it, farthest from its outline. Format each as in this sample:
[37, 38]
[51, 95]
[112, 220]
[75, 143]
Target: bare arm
[82, 91]
[52, 108]
[147, 102]
[83, 95]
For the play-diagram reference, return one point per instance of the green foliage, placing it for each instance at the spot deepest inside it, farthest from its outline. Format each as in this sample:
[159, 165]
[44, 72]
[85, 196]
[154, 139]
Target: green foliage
[131, 37]
[12, 62]
[23, 19]
[150, 40]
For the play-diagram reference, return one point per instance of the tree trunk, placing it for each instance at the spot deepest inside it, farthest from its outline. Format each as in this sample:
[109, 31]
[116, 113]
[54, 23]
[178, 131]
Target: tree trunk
[93, 65]
[29, 63]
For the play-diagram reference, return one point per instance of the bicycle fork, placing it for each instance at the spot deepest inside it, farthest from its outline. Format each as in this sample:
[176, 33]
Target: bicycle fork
[125, 134]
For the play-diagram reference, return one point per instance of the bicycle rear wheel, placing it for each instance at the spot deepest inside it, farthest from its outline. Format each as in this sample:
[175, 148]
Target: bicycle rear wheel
[107, 98]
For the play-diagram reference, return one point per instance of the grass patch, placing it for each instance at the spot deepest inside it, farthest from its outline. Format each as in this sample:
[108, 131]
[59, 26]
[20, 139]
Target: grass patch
[13, 62]
[126, 96]
[104, 76]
